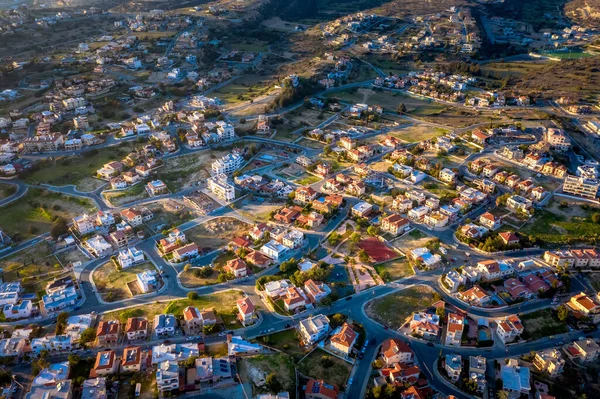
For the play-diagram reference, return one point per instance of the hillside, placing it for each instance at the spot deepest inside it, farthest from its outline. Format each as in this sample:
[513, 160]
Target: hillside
[584, 12]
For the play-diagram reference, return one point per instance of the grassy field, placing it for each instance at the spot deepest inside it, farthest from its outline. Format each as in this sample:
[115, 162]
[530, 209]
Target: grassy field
[190, 280]
[308, 180]
[33, 267]
[286, 341]
[256, 47]
[133, 193]
[392, 310]
[242, 89]
[112, 282]
[182, 172]
[564, 222]
[542, 323]
[256, 368]
[398, 268]
[6, 190]
[216, 232]
[222, 302]
[77, 169]
[34, 213]
[313, 366]
[417, 133]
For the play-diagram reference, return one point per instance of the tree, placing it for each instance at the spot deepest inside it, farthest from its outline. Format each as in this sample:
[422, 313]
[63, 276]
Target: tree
[401, 108]
[73, 359]
[334, 238]
[88, 335]
[192, 296]
[372, 230]
[210, 328]
[502, 395]
[562, 313]
[440, 312]
[596, 217]
[187, 267]
[363, 256]
[355, 237]
[337, 320]
[326, 361]
[273, 383]
[59, 228]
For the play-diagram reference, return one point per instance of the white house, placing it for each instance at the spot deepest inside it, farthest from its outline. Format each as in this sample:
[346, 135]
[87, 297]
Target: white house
[274, 250]
[314, 328]
[18, 311]
[147, 281]
[130, 256]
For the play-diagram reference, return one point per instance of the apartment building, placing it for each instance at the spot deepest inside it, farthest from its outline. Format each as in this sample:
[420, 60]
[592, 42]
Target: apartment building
[580, 186]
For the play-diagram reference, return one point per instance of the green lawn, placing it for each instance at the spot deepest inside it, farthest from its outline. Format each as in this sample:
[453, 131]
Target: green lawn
[71, 170]
[392, 310]
[34, 213]
[542, 323]
[222, 302]
[335, 373]
[308, 180]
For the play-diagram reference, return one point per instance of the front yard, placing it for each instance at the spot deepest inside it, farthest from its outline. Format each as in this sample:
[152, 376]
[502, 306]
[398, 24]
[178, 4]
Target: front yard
[392, 310]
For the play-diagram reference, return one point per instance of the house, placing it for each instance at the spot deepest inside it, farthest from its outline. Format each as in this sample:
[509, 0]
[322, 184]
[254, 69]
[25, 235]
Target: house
[13, 311]
[167, 376]
[559, 258]
[493, 270]
[287, 215]
[305, 195]
[106, 364]
[156, 187]
[362, 209]
[293, 239]
[316, 292]
[509, 238]
[395, 351]
[454, 331]
[436, 219]
[509, 328]
[94, 388]
[294, 299]
[580, 186]
[132, 359]
[423, 257]
[186, 252]
[98, 246]
[108, 332]
[192, 319]
[585, 306]
[425, 325]
[475, 296]
[453, 366]
[56, 343]
[447, 176]
[257, 258]
[586, 350]
[319, 389]
[237, 267]
[549, 361]
[132, 216]
[60, 390]
[129, 257]
[84, 224]
[313, 329]
[147, 281]
[515, 378]
[237, 346]
[356, 188]
[245, 310]
[453, 279]
[274, 250]
[136, 328]
[477, 372]
[343, 339]
[517, 289]
[480, 137]
[489, 221]
[395, 224]
[164, 325]
[276, 289]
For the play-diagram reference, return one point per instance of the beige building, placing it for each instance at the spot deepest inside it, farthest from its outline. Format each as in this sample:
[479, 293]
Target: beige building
[582, 187]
